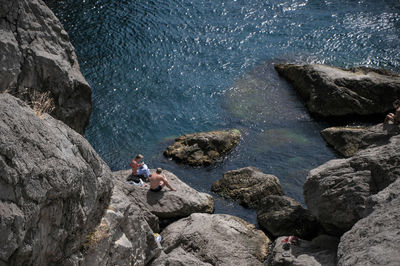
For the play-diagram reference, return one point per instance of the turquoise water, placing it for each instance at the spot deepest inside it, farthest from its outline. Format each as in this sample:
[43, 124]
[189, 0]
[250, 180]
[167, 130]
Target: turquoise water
[160, 69]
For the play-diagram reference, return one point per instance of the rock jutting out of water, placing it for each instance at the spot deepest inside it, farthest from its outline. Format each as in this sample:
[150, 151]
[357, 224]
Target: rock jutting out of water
[335, 92]
[37, 56]
[205, 148]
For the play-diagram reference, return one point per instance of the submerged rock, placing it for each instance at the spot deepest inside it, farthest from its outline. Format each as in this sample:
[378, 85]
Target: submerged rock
[310, 253]
[201, 149]
[375, 239]
[247, 185]
[37, 56]
[168, 204]
[336, 192]
[217, 239]
[281, 215]
[54, 187]
[335, 92]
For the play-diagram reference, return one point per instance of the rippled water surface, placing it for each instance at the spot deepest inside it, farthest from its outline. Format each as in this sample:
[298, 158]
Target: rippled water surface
[160, 69]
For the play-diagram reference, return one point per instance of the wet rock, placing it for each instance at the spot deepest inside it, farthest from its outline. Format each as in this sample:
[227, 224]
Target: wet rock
[37, 56]
[201, 149]
[168, 204]
[303, 253]
[218, 239]
[54, 188]
[281, 215]
[337, 191]
[247, 185]
[335, 92]
[123, 236]
[375, 239]
[349, 140]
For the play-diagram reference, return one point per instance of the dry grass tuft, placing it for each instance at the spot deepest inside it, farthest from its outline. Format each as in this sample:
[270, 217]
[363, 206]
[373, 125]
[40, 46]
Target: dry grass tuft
[42, 103]
[93, 239]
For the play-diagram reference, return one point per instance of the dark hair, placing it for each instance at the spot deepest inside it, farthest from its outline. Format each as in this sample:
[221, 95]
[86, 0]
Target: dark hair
[139, 156]
[397, 102]
[159, 170]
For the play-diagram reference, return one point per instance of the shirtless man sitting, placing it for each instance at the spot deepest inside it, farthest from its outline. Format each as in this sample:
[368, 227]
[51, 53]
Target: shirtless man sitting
[158, 181]
[394, 118]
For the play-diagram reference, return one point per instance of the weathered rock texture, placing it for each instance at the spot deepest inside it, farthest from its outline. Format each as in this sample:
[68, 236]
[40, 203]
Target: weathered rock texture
[334, 92]
[247, 185]
[123, 237]
[218, 239]
[336, 192]
[36, 55]
[281, 215]
[349, 140]
[375, 240]
[54, 188]
[168, 204]
[201, 149]
[303, 253]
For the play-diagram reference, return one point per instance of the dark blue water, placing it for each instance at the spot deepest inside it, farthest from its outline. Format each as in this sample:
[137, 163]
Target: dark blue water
[160, 69]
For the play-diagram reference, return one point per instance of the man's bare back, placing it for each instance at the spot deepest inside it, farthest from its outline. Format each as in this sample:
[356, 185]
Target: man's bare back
[158, 181]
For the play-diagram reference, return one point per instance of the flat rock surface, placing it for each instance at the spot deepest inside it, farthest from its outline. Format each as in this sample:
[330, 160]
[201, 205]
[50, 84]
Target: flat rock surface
[36, 56]
[247, 185]
[217, 239]
[205, 148]
[334, 92]
[336, 192]
[54, 187]
[281, 215]
[168, 204]
[375, 239]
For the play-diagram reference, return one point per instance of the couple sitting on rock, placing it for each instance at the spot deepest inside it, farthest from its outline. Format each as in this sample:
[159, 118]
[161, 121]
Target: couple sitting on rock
[393, 117]
[140, 173]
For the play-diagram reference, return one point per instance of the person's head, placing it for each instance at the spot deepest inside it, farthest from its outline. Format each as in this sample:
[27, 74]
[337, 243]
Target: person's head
[159, 170]
[396, 104]
[139, 157]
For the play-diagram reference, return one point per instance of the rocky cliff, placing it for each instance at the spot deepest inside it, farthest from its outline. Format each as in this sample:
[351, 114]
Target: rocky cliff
[37, 56]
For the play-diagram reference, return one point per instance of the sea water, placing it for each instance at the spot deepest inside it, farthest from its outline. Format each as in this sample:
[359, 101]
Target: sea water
[163, 68]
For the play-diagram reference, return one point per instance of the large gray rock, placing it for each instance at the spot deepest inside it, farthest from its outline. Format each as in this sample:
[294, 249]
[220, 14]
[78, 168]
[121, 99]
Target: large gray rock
[281, 215]
[336, 192]
[349, 140]
[375, 239]
[168, 204]
[123, 236]
[247, 185]
[334, 92]
[54, 188]
[36, 55]
[217, 239]
[178, 257]
[304, 253]
[205, 148]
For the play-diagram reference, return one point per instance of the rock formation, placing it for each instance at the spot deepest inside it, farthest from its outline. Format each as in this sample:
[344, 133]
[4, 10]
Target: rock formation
[375, 239]
[217, 239]
[54, 188]
[337, 191]
[247, 185]
[168, 205]
[281, 215]
[36, 56]
[336, 92]
[201, 149]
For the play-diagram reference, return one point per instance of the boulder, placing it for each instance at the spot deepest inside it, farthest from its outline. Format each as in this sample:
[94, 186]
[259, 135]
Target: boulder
[54, 187]
[303, 252]
[349, 140]
[247, 185]
[37, 56]
[336, 92]
[281, 215]
[205, 148]
[178, 257]
[166, 204]
[217, 239]
[375, 239]
[123, 236]
[336, 192]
